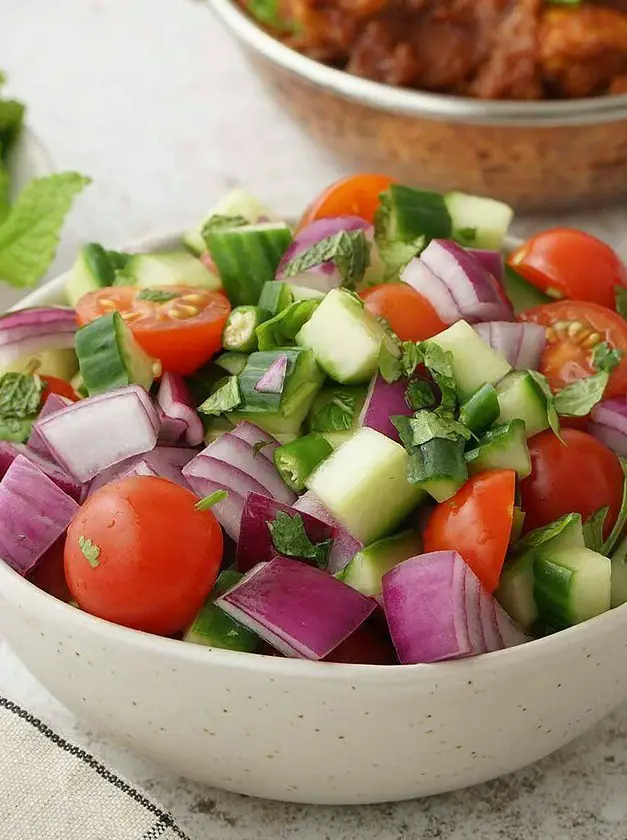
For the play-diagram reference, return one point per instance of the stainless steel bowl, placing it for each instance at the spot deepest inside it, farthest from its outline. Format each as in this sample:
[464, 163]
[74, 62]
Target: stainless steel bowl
[534, 155]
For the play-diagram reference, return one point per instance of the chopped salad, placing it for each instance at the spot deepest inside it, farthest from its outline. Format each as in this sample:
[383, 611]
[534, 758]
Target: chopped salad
[374, 437]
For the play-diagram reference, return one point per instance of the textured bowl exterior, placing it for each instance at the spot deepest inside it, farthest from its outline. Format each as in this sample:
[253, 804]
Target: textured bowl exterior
[312, 732]
[555, 158]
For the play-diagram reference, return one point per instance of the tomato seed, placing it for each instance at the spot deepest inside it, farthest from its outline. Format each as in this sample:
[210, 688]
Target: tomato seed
[183, 310]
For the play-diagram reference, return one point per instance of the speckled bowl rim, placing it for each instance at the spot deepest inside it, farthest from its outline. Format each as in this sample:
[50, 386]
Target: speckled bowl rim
[420, 104]
[15, 587]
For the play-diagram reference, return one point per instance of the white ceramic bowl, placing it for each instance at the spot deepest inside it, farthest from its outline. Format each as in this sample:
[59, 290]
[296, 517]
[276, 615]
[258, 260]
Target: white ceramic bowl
[312, 732]
[30, 159]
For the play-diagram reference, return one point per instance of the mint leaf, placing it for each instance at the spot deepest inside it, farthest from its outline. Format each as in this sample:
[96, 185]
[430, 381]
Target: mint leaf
[290, 538]
[606, 358]
[212, 499]
[540, 536]
[219, 222]
[593, 529]
[90, 551]
[20, 395]
[390, 355]
[620, 298]
[30, 234]
[348, 250]
[283, 328]
[156, 295]
[226, 398]
[579, 398]
[14, 430]
[395, 252]
[336, 414]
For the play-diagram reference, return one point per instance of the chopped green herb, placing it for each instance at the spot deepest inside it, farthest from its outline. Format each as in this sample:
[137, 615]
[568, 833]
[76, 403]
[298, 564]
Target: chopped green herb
[349, 250]
[427, 425]
[593, 529]
[606, 358]
[539, 536]
[466, 236]
[14, 430]
[156, 295]
[336, 414]
[283, 328]
[419, 394]
[226, 398]
[91, 552]
[551, 414]
[20, 395]
[29, 235]
[390, 354]
[290, 538]
[212, 499]
[218, 222]
[579, 398]
[439, 364]
[620, 293]
[257, 447]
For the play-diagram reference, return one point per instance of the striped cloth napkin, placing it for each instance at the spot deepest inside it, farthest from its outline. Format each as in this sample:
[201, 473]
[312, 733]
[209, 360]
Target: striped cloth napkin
[53, 790]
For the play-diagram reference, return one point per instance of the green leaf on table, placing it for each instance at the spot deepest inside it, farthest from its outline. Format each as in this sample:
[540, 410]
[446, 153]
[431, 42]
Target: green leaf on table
[29, 235]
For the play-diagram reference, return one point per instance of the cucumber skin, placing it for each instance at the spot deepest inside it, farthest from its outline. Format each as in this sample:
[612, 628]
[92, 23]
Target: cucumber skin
[365, 571]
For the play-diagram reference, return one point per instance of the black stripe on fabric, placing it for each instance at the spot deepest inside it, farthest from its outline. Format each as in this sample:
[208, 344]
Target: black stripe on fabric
[164, 820]
[156, 831]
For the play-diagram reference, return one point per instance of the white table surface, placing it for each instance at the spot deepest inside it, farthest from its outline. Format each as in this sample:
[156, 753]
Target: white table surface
[150, 99]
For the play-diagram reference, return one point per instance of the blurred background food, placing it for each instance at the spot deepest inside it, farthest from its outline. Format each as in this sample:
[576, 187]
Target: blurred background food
[487, 49]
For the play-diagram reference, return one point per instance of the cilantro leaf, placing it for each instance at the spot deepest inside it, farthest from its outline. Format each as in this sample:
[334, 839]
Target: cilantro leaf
[156, 295]
[543, 384]
[390, 354]
[439, 364]
[212, 499]
[30, 233]
[540, 536]
[90, 551]
[606, 358]
[225, 398]
[336, 413]
[419, 394]
[427, 425]
[219, 222]
[579, 398]
[593, 529]
[290, 538]
[620, 298]
[348, 250]
[20, 395]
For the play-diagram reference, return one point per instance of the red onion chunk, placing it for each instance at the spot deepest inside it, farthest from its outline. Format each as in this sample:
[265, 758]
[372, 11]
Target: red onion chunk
[472, 593]
[325, 276]
[10, 451]
[225, 474]
[171, 430]
[99, 432]
[612, 438]
[273, 379]
[385, 400]
[140, 467]
[235, 451]
[54, 402]
[255, 436]
[29, 331]
[345, 546]
[420, 277]
[424, 602]
[531, 348]
[511, 635]
[255, 540]
[475, 291]
[521, 344]
[175, 401]
[165, 461]
[34, 514]
[492, 261]
[301, 611]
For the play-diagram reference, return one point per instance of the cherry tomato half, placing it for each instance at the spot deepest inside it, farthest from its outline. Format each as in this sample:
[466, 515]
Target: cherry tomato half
[357, 195]
[568, 263]
[579, 477]
[476, 522]
[184, 331]
[574, 330]
[53, 385]
[408, 313]
[152, 560]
